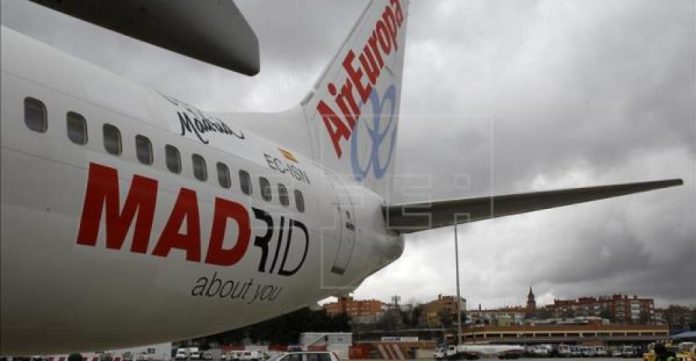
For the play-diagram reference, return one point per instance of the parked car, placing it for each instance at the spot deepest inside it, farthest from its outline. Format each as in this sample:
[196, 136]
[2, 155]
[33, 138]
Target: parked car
[182, 354]
[601, 351]
[234, 355]
[439, 353]
[195, 355]
[628, 351]
[564, 351]
[529, 351]
[208, 355]
[588, 351]
[251, 356]
[542, 350]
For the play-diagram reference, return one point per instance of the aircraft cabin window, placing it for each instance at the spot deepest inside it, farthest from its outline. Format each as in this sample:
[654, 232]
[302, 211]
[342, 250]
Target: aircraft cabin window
[283, 195]
[223, 175]
[35, 115]
[299, 200]
[265, 189]
[200, 170]
[173, 158]
[245, 182]
[143, 149]
[112, 139]
[77, 128]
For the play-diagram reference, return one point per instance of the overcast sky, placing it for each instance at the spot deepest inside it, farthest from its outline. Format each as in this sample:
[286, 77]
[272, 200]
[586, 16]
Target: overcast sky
[498, 97]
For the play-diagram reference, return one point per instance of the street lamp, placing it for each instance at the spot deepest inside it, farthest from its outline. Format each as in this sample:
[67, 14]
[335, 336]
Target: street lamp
[459, 298]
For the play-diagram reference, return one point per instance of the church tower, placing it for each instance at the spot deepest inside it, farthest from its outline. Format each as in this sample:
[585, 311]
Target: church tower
[531, 302]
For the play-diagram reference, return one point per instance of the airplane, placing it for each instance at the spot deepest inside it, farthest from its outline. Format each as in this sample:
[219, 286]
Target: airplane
[130, 217]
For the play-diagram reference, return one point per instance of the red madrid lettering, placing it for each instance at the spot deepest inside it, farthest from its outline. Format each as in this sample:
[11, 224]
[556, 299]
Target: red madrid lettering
[103, 198]
[102, 205]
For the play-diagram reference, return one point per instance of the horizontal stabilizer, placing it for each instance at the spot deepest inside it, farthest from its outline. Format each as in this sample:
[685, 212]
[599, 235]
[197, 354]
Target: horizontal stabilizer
[414, 217]
[213, 31]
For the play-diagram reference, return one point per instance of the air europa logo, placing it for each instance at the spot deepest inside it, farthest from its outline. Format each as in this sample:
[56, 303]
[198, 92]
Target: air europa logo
[362, 75]
[381, 135]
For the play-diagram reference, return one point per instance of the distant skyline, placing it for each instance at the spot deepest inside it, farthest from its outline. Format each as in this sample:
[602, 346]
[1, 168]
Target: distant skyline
[522, 302]
[498, 97]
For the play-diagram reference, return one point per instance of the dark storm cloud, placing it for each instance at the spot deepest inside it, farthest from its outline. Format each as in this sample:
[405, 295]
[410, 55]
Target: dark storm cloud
[603, 245]
[498, 97]
[596, 90]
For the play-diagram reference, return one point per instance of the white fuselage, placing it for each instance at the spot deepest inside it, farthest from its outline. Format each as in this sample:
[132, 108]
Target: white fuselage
[156, 255]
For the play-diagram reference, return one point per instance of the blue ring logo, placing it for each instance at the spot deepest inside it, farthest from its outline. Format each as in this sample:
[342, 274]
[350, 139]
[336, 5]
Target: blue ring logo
[378, 134]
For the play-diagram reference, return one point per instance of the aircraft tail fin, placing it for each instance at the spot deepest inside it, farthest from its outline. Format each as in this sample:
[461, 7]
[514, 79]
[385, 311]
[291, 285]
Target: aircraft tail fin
[353, 109]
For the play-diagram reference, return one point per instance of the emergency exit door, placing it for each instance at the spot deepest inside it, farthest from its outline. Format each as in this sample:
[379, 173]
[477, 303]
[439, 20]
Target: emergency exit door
[345, 232]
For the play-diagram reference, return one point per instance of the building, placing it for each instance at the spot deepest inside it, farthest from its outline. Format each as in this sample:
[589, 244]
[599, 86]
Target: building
[441, 312]
[592, 333]
[617, 308]
[531, 302]
[679, 318]
[360, 311]
[505, 316]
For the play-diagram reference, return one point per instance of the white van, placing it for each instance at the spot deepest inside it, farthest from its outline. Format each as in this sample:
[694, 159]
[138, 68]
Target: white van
[251, 356]
[181, 354]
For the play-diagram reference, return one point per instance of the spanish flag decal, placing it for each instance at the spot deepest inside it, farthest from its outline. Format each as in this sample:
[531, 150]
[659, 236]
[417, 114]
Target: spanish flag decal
[288, 155]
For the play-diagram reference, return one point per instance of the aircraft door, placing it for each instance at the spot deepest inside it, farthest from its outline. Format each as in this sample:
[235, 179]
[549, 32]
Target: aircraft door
[345, 232]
